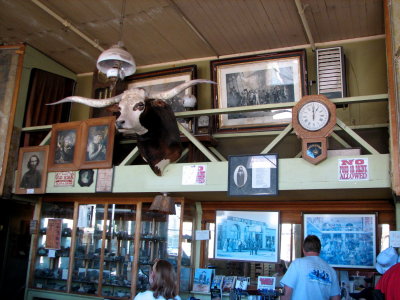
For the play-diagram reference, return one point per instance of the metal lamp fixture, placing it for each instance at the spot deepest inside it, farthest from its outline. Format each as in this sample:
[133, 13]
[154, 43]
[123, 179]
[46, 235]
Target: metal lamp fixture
[163, 204]
[117, 62]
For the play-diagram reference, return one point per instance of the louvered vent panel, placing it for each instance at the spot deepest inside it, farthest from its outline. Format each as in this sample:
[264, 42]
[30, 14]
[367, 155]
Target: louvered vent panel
[331, 72]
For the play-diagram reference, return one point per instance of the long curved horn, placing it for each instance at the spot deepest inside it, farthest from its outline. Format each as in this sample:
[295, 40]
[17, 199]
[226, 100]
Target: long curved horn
[176, 90]
[90, 102]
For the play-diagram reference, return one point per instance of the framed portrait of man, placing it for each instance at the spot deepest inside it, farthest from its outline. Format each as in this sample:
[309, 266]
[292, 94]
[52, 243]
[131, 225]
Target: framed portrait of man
[32, 170]
[64, 146]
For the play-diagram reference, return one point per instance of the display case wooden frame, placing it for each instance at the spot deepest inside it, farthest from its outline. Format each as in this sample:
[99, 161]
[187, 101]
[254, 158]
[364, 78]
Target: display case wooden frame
[97, 137]
[25, 155]
[354, 233]
[241, 75]
[59, 158]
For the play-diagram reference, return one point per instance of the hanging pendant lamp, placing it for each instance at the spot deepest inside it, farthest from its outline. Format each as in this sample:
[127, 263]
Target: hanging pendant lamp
[116, 62]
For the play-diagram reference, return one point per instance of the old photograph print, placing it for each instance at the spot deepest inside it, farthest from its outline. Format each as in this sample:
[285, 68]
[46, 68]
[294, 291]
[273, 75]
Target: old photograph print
[247, 236]
[347, 240]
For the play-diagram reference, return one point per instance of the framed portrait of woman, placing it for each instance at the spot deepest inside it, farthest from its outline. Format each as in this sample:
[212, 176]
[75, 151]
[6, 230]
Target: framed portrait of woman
[97, 143]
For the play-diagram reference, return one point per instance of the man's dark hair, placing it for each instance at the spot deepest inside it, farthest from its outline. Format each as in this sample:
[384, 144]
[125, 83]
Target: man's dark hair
[312, 244]
[30, 158]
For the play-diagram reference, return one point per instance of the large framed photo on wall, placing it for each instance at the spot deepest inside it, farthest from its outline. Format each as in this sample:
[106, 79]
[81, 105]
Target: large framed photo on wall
[256, 80]
[247, 235]
[166, 79]
[347, 240]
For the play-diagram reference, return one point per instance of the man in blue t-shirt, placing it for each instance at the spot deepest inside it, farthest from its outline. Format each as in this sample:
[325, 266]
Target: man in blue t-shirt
[310, 277]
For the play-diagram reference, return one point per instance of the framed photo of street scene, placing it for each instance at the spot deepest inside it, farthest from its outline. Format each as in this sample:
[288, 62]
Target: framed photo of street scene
[247, 235]
[276, 79]
[97, 143]
[163, 80]
[32, 170]
[347, 240]
[253, 175]
[64, 147]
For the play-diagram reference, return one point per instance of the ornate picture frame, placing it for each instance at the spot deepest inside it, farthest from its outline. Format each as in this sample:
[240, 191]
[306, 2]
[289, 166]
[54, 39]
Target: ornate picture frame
[162, 80]
[247, 235]
[32, 170]
[97, 143]
[65, 145]
[347, 240]
[253, 175]
[256, 80]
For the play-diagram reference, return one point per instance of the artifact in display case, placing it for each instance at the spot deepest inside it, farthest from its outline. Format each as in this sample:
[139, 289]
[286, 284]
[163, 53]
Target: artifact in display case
[86, 267]
[51, 263]
[159, 239]
[119, 251]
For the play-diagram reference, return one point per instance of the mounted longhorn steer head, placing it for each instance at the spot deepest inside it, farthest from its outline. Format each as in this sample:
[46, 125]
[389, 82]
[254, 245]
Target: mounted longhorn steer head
[151, 118]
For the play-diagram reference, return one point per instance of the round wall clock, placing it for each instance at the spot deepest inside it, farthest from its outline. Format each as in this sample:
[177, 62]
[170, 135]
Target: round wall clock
[313, 115]
[313, 120]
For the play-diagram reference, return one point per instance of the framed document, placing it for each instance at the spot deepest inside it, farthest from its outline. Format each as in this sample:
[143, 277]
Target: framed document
[253, 175]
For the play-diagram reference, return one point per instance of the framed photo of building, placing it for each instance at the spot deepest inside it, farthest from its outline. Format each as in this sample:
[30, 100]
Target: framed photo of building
[247, 235]
[347, 240]
[64, 146]
[166, 79]
[275, 78]
[97, 143]
[253, 175]
[32, 170]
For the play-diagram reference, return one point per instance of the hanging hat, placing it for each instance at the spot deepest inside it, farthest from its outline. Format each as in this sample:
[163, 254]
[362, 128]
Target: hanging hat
[386, 259]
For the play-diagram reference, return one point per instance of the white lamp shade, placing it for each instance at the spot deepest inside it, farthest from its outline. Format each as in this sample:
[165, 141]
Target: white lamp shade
[116, 58]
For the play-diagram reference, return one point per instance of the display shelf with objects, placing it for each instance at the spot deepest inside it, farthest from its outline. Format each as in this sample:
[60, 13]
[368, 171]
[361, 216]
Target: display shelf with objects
[107, 249]
[53, 246]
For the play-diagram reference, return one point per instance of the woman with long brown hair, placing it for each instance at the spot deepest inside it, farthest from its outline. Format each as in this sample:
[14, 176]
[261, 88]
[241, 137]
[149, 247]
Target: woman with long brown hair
[162, 283]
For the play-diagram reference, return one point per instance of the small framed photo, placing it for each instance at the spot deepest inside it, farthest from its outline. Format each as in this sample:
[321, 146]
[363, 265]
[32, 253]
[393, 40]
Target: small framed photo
[97, 143]
[64, 147]
[85, 177]
[256, 80]
[247, 235]
[347, 240]
[32, 170]
[166, 79]
[253, 175]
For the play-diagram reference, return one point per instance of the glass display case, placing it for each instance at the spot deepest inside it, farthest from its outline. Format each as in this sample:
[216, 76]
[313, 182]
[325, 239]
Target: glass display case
[113, 247]
[88, 248]
[53, 246]
[119, 250]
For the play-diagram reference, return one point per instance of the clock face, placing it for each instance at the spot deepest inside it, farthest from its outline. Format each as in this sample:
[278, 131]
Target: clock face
[313, 116]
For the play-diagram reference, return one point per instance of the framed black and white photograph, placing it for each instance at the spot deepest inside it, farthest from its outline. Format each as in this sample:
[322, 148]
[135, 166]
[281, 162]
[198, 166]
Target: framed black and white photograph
[85, 177]
[347, 240]
[253, 175]
[32, 170]
[247, 235]
[166, 79]
[256, 80]
[64, 146]
[97, 143]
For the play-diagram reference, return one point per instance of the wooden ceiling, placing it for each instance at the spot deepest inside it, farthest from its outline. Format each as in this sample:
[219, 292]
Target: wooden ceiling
[161, 31]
